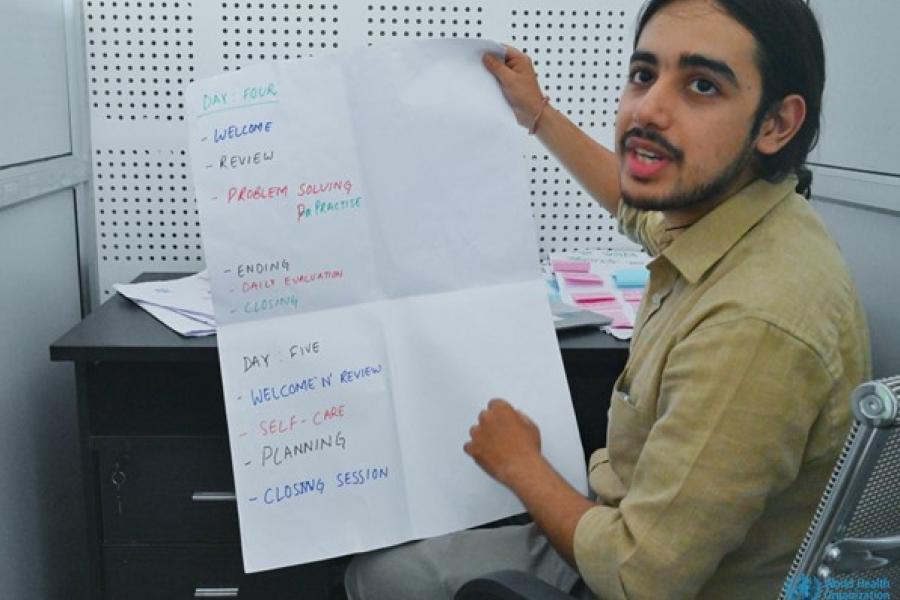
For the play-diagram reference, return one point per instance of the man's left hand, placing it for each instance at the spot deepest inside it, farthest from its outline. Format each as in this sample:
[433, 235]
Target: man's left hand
[505, 443]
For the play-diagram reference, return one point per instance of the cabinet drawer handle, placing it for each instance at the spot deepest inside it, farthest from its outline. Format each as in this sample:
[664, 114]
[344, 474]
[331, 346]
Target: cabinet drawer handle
[216, 592]
[213, 497]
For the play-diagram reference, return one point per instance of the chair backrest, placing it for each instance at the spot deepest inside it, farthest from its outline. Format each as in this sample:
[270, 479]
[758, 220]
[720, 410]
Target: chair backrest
[852, 548]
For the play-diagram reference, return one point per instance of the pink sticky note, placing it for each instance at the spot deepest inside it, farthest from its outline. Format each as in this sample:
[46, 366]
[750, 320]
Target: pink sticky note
[590, 297]
[570, 266]
[633, 295]
[582, 278]
[601, 307]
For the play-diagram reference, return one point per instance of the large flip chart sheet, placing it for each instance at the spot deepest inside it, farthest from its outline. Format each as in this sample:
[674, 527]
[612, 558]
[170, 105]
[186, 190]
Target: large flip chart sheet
[375, 282]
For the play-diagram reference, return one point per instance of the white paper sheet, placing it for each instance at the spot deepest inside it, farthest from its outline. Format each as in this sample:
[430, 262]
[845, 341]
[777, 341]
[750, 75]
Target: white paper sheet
[186, 325]
[373, 260]
[183, 305]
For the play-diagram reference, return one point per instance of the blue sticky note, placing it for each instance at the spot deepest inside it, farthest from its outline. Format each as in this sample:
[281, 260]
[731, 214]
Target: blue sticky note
[552, 289]
[631, 278]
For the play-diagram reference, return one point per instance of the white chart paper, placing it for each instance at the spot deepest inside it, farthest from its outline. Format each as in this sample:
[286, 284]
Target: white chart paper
[375, 281]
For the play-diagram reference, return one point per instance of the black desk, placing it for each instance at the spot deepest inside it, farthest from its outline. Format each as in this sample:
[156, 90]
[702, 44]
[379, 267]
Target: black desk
[157, 470]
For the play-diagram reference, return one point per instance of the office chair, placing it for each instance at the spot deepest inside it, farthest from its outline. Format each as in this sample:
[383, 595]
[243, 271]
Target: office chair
[855, 533]
[854, 538]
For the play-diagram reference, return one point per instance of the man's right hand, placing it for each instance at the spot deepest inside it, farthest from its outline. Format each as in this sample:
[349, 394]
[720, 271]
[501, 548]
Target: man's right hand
[519, 83]
[595, 167]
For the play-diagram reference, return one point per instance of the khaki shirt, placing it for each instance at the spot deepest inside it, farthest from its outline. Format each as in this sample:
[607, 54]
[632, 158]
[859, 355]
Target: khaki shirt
[733, 406]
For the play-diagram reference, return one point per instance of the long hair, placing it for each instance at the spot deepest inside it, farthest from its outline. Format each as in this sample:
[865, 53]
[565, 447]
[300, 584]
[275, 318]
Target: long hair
[791, 60]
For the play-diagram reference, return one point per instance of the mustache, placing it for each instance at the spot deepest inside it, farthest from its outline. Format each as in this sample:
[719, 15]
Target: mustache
[651, 136]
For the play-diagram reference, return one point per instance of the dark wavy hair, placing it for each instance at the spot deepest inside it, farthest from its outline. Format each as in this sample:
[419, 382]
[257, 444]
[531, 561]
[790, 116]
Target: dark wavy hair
[791, 59]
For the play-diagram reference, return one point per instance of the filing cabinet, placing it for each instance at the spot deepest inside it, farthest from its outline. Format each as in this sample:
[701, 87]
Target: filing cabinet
[162, 518]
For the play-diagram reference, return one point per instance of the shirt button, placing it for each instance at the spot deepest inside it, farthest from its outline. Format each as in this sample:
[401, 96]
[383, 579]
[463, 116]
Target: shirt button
[656, 299]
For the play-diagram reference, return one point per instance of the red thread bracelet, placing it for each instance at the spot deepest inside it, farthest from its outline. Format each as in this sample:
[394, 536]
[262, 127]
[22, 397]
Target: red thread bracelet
[534, 124]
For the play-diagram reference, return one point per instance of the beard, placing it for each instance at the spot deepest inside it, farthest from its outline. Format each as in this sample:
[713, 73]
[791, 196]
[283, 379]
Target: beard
[705, 193]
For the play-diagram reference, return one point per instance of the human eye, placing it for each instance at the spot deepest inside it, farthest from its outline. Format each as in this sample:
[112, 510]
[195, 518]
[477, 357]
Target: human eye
[640, 75]
[703, 87]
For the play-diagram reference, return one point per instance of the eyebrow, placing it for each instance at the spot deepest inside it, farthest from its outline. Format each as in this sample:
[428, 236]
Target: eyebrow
[644, 56]
[691, 61]
[710, 64]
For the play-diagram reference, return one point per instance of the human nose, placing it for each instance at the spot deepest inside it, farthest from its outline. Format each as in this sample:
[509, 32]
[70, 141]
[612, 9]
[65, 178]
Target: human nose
[654, 107]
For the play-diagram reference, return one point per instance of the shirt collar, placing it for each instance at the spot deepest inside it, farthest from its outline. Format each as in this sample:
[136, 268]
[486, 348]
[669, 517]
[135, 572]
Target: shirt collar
[699, 247]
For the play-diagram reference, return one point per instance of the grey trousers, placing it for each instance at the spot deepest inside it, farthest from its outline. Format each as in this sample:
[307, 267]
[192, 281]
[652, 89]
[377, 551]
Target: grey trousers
[436, 568]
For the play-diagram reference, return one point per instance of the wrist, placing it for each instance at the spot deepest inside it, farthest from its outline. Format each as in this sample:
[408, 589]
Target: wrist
[523, 471]
[536, 120]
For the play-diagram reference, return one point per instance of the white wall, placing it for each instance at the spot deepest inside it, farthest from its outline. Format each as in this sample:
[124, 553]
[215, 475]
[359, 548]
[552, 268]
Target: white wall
[43, 170]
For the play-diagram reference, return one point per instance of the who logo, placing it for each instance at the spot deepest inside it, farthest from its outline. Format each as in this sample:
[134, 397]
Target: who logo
[802, 587]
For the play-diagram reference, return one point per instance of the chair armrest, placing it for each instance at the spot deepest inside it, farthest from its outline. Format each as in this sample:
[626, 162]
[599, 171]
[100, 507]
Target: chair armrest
[852, 555]
[509, 585]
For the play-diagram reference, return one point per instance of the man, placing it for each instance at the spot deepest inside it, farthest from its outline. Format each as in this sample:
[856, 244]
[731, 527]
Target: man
[733, 407]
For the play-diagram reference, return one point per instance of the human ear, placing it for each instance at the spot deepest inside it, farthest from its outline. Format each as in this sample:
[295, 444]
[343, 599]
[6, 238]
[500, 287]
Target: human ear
[781, 125]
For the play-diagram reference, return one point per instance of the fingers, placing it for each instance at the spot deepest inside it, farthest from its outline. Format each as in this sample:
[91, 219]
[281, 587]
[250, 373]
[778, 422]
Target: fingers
[514, 61]
[495, 410]
[499, 427]
[496, 403]
[515, 53]
[496, 66]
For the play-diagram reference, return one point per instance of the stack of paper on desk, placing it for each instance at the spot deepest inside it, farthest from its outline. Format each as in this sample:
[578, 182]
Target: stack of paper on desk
[183, 305]
[609, 282]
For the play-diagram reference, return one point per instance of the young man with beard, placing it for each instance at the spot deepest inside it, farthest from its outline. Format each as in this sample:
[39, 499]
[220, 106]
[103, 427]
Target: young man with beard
[734, 404]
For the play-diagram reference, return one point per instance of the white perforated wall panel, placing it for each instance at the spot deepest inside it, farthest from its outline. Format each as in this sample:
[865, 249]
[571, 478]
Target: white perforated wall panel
[142, 53]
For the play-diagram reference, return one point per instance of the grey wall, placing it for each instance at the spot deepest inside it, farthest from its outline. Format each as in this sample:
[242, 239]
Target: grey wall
[861, 92]
[870, 241]
[43, 170]
[35, 110]
[41, 508]
[857, 162]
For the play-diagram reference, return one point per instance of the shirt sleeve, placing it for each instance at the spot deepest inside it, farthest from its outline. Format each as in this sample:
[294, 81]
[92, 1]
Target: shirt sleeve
[641, 227]
[736, 403]
[605, 483]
